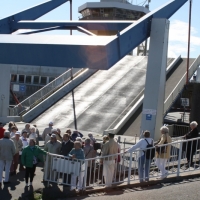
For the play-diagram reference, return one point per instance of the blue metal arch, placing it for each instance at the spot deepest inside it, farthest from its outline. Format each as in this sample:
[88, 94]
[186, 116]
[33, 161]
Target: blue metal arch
[90, 52]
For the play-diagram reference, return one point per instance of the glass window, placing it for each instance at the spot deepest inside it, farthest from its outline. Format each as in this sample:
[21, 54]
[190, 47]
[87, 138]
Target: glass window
[21, 78]
[28, 79]
[36, 79]
[51, 79]
[13, 78]
[43, 80]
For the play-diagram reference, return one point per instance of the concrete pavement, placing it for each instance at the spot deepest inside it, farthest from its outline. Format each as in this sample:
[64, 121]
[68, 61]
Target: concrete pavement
[187, 189]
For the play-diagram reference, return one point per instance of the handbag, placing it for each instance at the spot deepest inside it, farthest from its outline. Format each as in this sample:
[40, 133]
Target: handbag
[162, 149]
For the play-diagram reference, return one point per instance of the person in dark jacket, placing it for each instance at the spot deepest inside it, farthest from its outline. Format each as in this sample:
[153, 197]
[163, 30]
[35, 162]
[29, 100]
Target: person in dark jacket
[76, 134]
[67, 146]
[29, 159]
[191, 146]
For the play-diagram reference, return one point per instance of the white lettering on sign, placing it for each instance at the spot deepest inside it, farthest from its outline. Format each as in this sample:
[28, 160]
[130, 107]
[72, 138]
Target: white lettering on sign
[16, 88]
[149, 112]
[185, 102]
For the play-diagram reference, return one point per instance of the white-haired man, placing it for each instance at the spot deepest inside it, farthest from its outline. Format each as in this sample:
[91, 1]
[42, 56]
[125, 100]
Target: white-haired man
[191, 145]
[109, 148]
[7, 151]
[18, 145]
[53, 146]
[47, 130]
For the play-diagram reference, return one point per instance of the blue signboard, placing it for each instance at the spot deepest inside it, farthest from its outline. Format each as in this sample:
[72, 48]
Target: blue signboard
[22, 88]
[148, 117]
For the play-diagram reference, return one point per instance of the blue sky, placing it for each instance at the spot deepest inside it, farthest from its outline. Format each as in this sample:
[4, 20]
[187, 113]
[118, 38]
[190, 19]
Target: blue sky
[178, 28]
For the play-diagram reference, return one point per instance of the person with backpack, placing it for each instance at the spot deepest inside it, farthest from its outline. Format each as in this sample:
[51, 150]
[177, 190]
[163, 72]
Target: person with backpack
[144, 156]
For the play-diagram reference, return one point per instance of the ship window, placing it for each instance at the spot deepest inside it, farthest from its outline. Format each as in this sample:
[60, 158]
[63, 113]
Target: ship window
[28, 79]
[36, 80]
[21, 78]
[51, 79]
[43, 80]
[13, 78]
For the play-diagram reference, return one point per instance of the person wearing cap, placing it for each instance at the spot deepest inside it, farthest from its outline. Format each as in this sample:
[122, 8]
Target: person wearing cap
[29, 159]
[47, 130]
[7, 151]
[25, 142]
[13, 131]
[18, 145]
[57, 132]
[109, 148]
[53, 146]
[2, 130]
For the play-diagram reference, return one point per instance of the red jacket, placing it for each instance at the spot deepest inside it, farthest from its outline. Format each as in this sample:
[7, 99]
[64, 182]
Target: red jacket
[1, 132]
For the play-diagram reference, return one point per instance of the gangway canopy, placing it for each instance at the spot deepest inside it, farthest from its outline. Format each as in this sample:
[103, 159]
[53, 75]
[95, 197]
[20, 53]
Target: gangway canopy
[84, 51]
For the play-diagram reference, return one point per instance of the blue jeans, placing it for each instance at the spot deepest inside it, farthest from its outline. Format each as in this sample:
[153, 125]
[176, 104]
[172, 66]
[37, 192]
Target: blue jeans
[143, 168]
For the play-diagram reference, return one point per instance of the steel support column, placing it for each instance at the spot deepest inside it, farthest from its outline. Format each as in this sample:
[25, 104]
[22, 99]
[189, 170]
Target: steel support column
[198, 75]
[153, 105]
[4, 91]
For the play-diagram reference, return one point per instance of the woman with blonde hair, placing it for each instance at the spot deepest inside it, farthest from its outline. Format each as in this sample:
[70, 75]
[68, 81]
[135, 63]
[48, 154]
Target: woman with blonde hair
[163, 153]
[77, 153]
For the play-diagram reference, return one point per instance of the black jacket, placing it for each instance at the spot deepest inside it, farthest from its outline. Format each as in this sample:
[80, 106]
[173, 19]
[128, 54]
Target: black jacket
[192, 134]
[66, 148]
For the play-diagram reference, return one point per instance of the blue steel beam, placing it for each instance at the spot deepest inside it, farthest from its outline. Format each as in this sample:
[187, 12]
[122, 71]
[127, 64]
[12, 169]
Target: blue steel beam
[80, 29]
[42, 30]
[89, 25]
[29, 14]
[84, 51]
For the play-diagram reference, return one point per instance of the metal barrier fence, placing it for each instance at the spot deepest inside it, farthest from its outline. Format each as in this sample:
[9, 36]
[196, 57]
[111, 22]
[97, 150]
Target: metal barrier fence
[177, 90]
[43, 93]
[178, 130]
[127, 167]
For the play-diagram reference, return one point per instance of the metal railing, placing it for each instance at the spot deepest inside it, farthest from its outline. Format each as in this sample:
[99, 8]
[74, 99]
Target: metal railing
[127, 167]
[178, 130]
[179, 87]
[43, 93]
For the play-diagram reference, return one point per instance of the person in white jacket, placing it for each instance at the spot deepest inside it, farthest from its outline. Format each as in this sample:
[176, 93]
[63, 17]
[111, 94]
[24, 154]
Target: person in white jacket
[7, 151]
[143, 163]
[33, 134]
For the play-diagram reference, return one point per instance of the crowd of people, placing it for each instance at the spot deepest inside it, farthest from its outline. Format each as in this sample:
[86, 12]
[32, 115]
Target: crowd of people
[163, 151]
[20, 150]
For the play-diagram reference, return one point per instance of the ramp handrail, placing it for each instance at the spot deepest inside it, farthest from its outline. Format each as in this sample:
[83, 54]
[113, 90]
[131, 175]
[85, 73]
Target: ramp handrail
[44, 92]
[180, 85]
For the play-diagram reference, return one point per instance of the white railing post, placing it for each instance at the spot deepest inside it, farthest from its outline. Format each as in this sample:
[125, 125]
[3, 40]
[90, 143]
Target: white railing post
[85, 174]
[130, 167]
[179, 158]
